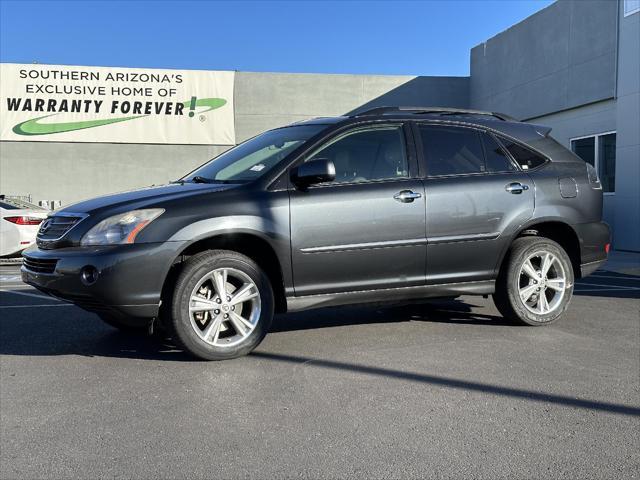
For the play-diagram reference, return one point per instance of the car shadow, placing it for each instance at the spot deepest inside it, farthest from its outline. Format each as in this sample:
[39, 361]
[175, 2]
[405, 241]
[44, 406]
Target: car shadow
[436, 311]
[71, 331]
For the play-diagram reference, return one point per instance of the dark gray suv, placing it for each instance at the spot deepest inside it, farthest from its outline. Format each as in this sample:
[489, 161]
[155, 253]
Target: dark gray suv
[388, 205]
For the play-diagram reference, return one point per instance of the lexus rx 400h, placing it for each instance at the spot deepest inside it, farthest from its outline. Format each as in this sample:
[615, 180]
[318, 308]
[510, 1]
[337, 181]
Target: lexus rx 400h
[389, 205]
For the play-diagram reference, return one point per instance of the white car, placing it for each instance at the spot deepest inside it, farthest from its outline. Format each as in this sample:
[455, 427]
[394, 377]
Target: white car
[19, 223]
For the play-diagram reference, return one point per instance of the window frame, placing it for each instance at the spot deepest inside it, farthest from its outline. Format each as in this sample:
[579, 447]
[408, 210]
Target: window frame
[596, 137]
[423, 160]
[335, 135]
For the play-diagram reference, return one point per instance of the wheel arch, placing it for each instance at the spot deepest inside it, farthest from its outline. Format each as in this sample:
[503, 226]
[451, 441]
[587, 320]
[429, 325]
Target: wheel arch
[555, 229]
[250, 243]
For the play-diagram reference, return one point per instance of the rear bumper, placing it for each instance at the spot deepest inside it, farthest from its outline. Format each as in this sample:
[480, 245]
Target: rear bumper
[128, 280]
[594, 240]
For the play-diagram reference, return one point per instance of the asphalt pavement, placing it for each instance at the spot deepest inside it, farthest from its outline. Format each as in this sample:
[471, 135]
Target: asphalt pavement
[438, 389]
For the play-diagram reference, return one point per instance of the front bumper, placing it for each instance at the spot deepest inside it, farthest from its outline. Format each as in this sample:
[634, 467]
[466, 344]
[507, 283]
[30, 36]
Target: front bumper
[128, 280]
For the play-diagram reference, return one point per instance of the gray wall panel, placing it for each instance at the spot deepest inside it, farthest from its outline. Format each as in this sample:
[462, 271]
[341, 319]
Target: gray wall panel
[268, 100]
[593, 29]
[73, 171]
[559, 58]
[627, 226]
[584, 86]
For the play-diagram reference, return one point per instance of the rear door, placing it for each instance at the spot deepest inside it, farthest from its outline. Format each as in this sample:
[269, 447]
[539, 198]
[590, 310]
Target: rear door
[366, 229]
[476, 199]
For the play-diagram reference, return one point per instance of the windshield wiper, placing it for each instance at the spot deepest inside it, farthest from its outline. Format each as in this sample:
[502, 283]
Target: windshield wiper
[199, 179]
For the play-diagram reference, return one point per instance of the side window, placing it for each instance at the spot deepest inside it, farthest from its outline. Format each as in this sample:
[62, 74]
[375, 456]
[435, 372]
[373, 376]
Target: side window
[495, 157]
[526, 158]
[369, 154]
[451, 150]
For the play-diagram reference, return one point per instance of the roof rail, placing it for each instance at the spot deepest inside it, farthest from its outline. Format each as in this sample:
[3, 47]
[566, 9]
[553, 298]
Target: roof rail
[435, 110]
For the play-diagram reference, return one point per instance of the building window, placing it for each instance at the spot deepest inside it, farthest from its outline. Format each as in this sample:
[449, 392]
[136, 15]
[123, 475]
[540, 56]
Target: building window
[599, 151]
[631, 7]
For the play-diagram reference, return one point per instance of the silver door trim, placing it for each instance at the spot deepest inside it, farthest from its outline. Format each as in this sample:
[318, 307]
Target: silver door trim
[365, 246]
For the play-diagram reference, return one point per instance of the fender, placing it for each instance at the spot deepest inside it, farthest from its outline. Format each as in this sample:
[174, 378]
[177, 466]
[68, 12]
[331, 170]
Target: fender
[273, 232]
[529, 223]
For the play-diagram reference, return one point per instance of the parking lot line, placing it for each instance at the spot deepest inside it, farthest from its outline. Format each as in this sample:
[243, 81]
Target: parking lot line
[621, 287]
[625, 278]
[618, 289]
[10, 278]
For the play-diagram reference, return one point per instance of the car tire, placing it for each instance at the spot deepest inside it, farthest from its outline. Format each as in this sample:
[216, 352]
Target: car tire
[128, 325]
[535, 284]
[211, 326]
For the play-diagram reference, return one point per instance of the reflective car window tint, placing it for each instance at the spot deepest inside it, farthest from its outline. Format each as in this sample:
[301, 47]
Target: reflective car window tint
[255, 157]
[496, 159]
[526, 158]
[365, 155]
[451, 150]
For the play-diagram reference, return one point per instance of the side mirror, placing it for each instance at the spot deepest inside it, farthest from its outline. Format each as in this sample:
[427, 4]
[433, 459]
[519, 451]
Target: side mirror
[314, 171]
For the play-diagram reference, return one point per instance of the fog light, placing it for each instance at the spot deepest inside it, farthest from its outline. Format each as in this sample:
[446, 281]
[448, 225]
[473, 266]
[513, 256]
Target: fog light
[89, 275]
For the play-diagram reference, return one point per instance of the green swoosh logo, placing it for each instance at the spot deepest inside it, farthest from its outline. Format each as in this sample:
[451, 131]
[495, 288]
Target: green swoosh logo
[212, 103]
[33, 127]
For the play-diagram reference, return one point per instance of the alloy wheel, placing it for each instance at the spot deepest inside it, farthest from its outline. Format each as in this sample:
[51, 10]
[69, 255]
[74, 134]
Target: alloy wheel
[224, 307]
[542, 283]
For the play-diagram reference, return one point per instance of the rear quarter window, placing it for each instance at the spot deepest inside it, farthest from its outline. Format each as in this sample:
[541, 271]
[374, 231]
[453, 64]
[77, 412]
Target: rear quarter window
[495, 157]
[526, 158]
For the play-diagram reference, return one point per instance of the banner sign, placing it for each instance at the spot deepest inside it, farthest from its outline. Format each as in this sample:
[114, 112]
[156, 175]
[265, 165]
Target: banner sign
[54, 103]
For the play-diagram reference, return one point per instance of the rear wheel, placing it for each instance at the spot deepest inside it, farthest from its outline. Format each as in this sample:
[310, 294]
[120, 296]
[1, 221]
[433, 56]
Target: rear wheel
[222, 305]
[535, 284]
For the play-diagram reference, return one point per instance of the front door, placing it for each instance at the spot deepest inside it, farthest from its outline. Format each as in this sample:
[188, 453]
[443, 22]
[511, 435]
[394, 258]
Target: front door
[366, 229]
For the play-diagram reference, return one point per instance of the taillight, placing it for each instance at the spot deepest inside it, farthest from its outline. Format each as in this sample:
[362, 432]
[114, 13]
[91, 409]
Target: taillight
[24, 220]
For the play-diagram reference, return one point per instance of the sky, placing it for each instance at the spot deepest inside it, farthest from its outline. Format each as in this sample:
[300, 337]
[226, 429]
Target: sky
[362, 37]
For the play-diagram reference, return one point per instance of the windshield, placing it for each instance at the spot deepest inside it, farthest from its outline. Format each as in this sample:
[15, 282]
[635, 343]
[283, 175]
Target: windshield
[255, 157]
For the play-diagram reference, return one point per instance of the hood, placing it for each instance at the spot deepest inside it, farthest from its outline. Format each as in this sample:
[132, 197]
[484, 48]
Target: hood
[143, 197]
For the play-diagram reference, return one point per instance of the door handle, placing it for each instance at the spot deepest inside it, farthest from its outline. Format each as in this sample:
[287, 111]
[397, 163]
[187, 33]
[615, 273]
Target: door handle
[406, 196]
[516, 188]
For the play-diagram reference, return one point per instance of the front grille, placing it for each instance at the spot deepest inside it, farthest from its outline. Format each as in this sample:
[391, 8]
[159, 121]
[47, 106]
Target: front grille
[55, 227]
[40, 265]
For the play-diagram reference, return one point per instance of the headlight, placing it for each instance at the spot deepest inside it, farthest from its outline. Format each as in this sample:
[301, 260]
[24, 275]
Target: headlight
[122, 228]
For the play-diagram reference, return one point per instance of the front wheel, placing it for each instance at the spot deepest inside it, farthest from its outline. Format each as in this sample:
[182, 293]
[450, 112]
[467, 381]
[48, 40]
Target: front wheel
[536, 283]
[222, 305]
